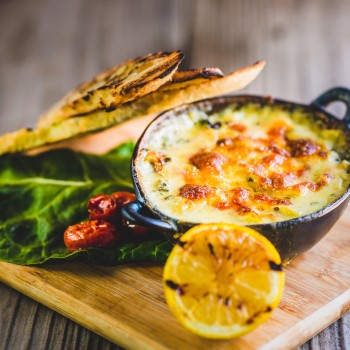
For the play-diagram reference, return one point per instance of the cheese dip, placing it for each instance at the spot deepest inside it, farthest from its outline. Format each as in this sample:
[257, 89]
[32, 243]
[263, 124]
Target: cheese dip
[245, 164]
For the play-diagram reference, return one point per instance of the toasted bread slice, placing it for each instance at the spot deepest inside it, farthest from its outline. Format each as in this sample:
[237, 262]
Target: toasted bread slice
[117, 85]
[177, 92]
[192, 74]
[169, 96]
[184, 78]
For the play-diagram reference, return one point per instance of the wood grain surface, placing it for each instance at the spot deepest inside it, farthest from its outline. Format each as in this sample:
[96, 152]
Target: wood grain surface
[126, 305]
[47, 47]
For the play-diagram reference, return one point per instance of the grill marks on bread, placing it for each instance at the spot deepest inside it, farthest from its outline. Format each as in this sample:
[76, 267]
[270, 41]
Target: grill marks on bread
[115, 86]
[151, 85]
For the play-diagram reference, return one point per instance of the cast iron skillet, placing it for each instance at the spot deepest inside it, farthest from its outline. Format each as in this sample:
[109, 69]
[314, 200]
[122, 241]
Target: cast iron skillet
[290, 237]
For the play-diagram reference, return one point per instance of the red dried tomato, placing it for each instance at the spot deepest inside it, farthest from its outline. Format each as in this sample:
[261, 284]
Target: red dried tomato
[91, 234]
[120, 199]
[102, 207]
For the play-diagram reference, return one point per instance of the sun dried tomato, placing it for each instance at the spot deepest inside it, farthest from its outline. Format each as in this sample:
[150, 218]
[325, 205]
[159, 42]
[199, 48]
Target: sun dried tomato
[121, 198]
[91, 234]
[102, 207]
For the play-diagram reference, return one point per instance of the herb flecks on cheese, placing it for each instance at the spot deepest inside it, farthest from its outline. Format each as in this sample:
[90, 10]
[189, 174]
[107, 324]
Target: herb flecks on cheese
[253, 164]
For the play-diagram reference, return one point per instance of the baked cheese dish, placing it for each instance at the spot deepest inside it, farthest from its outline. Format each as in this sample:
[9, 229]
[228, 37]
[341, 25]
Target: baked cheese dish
[244, 164]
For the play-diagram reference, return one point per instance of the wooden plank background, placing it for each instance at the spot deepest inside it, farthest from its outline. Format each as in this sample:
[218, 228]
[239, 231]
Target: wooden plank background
[49, 46]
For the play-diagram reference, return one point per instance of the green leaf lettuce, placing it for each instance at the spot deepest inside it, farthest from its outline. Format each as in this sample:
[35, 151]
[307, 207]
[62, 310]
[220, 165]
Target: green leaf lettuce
[40, 196]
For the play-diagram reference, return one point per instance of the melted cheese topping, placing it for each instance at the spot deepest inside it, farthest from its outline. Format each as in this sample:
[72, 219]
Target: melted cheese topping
[251, 165]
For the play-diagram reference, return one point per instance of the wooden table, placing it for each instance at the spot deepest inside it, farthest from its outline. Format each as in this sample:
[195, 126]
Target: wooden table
[48, 47]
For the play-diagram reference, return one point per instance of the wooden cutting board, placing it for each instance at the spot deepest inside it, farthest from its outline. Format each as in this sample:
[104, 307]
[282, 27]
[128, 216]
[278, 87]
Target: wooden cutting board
[125, 304]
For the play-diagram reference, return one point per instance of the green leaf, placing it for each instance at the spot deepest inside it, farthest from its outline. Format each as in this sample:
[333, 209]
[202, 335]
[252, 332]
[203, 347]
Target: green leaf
[40, 196]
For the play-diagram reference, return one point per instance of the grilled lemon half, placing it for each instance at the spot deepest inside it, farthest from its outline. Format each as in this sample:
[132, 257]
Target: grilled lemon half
[223, 280]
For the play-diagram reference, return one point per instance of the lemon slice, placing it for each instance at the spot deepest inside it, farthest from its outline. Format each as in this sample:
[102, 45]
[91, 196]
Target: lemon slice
[222, 280]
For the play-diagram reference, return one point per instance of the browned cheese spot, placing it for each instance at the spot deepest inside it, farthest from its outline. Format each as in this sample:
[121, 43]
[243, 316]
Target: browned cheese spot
[240, 195]
[237, 127]
[263, 197]
[211, 160]
[281, 181]
[323, 180]
[303, 170]
[238, 200]
[242, 209]
[158, 160]
[323, 154]
[280, 151]
[273, 159]
[278, 132]
[302, 147]
[195, 192]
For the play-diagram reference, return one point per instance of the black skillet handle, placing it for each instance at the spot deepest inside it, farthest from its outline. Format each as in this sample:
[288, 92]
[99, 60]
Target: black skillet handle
[338, 94]
[136, 213]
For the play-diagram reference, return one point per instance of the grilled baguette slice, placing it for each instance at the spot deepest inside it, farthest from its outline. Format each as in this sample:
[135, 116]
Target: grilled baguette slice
[117, 85]
[173, 94]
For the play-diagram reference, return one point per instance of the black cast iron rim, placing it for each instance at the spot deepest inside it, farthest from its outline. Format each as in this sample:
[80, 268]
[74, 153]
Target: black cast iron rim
[141, 211]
